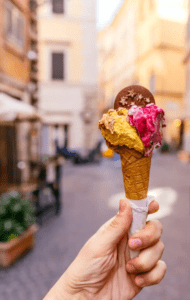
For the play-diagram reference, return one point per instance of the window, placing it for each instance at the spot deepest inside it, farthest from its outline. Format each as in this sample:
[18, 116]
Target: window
[14, 24]
[187, 83]
[188, 30]
[58, 65]
[152, 83]
[20, 30]
[9, 21]
[58, 6]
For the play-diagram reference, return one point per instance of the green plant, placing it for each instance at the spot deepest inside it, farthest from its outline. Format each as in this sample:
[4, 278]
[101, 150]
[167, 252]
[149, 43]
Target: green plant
[16, 214]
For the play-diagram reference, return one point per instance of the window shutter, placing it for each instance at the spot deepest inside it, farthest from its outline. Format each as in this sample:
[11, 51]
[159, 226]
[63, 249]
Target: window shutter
[58, 6]
[20, 30]
[57, 66]
[9, 21]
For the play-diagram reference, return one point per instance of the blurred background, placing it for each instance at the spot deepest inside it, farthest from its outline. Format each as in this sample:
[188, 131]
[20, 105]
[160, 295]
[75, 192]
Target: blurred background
[62, 62]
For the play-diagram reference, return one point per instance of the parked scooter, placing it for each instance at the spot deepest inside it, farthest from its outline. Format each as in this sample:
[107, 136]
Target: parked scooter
[94, 156]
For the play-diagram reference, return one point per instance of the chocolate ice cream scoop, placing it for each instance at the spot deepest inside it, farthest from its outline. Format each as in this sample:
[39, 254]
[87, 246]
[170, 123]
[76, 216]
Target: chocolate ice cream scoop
[133, 95]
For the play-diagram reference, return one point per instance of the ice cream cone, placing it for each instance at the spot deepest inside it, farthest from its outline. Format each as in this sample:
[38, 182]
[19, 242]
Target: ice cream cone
[136, 171]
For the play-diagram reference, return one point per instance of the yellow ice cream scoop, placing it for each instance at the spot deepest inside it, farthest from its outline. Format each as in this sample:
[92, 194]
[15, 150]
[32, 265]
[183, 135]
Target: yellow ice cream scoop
[116, 129]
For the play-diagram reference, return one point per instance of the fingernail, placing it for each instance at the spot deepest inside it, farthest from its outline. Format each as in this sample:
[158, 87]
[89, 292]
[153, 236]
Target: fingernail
[135, 242]
[122, 206]
[140, 281]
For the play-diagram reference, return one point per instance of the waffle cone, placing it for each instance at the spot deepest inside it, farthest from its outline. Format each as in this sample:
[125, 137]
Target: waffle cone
[136, 171]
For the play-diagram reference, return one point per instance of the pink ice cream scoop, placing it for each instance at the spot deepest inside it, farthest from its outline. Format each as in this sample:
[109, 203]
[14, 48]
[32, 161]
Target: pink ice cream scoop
[148, 121]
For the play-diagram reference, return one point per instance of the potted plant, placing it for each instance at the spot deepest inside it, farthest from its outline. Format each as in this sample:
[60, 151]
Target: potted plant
[17, 227]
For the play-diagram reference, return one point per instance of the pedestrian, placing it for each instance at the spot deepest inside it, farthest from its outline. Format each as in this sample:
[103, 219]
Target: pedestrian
[103, 269]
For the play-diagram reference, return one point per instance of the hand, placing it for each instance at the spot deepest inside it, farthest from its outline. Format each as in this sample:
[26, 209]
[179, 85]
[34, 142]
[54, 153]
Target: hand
[103, 269]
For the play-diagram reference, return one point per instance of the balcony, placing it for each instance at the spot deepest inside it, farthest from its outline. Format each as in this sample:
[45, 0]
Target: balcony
[34, 75]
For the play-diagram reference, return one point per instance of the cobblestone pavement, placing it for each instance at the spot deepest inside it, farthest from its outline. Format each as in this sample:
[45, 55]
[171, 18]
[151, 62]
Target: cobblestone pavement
[86, 190]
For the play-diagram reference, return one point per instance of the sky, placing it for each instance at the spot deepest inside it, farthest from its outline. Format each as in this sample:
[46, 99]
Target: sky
[106, 10]
[169, 9]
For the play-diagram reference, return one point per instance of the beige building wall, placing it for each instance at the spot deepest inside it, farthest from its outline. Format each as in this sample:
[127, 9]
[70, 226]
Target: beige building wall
[117, 54]
[161, 46]
[71, 101]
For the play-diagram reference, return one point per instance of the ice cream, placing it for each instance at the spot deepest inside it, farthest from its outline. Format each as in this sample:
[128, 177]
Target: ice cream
[116, 129]
[134, 129]
[139, 127]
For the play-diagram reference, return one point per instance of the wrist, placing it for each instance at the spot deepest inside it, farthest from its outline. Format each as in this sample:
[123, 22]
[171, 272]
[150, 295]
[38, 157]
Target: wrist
[63, 290]
[56, 294]
[71, 289]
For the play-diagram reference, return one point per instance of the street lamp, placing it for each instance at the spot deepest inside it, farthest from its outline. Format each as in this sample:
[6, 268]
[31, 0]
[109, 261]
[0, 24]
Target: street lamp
[32, 55]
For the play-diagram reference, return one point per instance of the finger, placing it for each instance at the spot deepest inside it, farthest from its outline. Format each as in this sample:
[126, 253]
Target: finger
[147, 259]
[153, 207]
[146, 237]
[152, 277]
[121, 251]
[112, 231]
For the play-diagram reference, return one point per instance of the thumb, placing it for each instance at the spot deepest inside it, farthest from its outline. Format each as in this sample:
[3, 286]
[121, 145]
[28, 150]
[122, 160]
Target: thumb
[112, 232]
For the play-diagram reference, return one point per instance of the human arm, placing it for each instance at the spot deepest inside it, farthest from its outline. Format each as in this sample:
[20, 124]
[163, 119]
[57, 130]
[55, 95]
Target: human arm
[102, 269]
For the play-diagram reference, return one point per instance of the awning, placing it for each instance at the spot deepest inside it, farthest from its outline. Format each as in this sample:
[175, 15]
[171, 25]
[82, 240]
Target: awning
[12, 109]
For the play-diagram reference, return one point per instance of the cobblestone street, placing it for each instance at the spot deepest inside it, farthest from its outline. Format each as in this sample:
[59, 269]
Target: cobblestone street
[86, 193]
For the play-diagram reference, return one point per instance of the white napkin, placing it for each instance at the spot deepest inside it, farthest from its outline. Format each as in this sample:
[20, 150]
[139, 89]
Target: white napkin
[140, 212]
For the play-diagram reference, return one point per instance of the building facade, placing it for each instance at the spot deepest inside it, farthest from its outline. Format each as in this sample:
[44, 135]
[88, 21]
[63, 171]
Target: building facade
[68, 74]
[186, 139]
[17, 35]
[14, 64]
[117, 54]
[150, 53]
